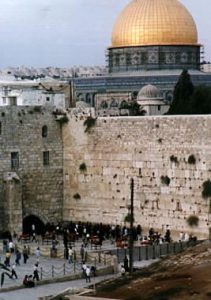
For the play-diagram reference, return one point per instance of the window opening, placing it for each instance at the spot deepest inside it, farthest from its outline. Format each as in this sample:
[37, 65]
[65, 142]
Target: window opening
[44, 131]
[14, 160]
[46, 158]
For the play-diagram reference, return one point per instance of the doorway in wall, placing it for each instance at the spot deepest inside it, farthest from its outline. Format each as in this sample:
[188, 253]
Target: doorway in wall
[33, 221]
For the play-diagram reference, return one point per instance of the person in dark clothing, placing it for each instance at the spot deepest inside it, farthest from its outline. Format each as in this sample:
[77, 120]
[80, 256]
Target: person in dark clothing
[35, 273]
[18, 257]
[25, 254]
[82, 252]
[168, 236]
[126, 266]
[93, 271]
[28, 281]
[13, 272]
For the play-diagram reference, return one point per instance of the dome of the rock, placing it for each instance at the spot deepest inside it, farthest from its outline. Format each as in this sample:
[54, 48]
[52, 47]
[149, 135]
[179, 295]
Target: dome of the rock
[154, 22]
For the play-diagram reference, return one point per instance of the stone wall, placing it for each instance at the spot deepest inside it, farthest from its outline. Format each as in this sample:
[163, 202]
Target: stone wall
[41, 186]
[152, 150]
[12, 194]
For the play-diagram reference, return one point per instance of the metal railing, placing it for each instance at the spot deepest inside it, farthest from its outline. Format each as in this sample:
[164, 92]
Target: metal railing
[154, 251]
[65, 269]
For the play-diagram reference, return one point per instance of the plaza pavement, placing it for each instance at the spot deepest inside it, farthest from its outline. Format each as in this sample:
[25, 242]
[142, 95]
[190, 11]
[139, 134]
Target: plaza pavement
[12, 288]
[51, 267]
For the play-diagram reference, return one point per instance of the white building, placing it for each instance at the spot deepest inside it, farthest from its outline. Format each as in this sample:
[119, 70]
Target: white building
[30, 96]
[206, 67]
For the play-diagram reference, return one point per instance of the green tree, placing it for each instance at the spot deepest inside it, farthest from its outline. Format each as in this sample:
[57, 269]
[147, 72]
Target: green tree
[201, 100]
[206, 193]
[134, 108]
[183, 92]
[193, 221]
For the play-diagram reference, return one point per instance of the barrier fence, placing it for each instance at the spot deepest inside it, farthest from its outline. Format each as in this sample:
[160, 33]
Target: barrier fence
[65, 269]
[146, 252]
[154, 251]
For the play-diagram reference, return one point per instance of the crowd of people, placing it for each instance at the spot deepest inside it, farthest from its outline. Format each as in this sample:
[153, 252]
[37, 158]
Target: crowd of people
[82, 232]
[10, 249]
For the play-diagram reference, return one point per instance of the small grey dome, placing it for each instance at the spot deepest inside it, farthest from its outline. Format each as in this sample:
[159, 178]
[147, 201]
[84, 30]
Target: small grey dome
[149, 92]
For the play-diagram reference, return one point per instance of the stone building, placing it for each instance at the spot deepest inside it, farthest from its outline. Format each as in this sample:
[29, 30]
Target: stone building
[31, 172]
[36, 92]
[111, 104]
[31, 96]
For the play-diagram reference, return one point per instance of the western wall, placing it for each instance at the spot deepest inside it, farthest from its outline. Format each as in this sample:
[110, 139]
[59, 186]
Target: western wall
[169, 158]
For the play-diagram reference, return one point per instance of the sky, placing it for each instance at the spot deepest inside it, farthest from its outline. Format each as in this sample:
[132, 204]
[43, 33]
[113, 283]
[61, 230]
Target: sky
[65, 33]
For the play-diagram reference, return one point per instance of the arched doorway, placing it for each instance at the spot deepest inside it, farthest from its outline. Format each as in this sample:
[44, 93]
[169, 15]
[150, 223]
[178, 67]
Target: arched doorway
[27, 225]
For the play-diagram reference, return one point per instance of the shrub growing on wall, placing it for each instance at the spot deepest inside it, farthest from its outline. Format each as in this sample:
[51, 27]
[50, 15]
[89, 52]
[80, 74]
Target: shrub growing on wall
[82, 167]
[173, 159]
[128, 218]
[193, 221]
[206, 193]
[89, 123]
[62, 119]
[77, 196]
[191, 159]
[165, 180]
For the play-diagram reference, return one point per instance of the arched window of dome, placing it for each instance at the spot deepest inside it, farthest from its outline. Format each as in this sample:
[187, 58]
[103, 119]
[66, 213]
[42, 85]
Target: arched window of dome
[88, 98]
[114, 103]
[44, 131]
[104, 104]
[124, 104]
[169, 96]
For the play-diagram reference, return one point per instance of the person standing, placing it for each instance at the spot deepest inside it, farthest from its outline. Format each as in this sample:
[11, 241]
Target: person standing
[11, 246]
[82, 252]
[84, 268]
[33, 228]
[88, 274]
[35, 273]
[37, 254]
[122, 270]
[7, 258]
[70, 255]
[126, 264]
[13, 272]
[5, 245]
[17, 257]
[25, 254]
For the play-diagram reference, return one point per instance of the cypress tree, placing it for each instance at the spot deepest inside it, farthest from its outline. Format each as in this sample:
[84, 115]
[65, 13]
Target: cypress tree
[201, 100]
[182, 95]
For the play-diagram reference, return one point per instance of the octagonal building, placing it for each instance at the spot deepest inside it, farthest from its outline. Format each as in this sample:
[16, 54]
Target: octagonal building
[154, 35]
[152, 41]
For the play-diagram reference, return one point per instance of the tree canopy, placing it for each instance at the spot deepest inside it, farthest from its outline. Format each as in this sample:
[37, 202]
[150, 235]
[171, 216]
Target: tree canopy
[183, 92]
[189, 99]
[201, 100]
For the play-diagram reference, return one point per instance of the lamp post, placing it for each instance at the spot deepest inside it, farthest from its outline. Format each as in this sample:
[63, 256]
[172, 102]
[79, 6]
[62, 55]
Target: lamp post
[131, 226]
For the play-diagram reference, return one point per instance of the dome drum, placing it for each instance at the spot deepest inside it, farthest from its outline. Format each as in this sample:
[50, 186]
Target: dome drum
[121, 59]
[154, 35]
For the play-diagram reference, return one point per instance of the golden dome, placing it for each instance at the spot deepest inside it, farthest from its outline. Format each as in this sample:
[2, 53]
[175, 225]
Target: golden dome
[154, 22]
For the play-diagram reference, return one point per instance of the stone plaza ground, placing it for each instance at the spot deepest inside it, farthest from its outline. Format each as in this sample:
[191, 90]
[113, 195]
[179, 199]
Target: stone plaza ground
[54, 271]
